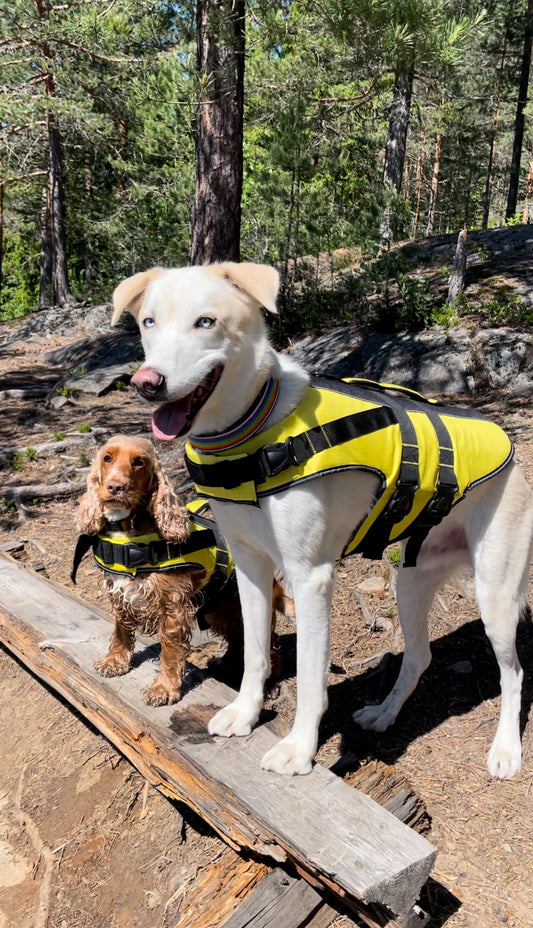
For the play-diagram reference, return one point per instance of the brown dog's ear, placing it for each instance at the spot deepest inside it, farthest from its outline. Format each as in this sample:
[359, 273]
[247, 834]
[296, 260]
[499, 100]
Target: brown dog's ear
[170, 517]
[260, 281]
[91, 519]
[129, 294]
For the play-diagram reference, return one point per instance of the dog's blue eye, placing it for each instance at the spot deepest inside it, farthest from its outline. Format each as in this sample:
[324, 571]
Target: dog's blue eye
[204, 322]
[148, 322]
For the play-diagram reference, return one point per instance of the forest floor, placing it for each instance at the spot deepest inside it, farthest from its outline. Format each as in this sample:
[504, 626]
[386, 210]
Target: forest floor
[85, 842]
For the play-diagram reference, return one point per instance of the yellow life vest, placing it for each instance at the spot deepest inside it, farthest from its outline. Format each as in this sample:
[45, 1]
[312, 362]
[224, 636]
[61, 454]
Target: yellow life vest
[426, 456]
[205, 550]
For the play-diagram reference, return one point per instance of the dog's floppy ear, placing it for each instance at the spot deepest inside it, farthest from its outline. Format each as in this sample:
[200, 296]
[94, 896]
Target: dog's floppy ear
[129, 294]
[170, 517]
[259, 281]
[91, 518]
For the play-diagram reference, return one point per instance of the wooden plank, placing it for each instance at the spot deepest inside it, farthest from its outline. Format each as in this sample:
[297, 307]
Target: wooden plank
[335, 836]
[236, 892]
[278, 899]
[215, 892]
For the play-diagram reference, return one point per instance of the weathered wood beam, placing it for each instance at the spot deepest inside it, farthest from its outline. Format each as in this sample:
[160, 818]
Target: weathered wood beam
[337, 838]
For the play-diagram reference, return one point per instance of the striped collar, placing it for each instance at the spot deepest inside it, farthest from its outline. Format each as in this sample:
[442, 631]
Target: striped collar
[249, 424]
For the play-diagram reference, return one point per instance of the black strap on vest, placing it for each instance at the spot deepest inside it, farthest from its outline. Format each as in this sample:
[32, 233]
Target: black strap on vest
[401, 502]
[441, 503]
[140, 556]
[83, 544]
[271, 460]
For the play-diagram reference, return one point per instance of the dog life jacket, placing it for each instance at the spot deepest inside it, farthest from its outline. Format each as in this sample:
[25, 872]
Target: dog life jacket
[205, 549]
[425, 455]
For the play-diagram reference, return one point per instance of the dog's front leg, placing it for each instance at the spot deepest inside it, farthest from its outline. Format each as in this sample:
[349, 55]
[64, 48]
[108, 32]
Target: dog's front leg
[313, 588]
[254, 578]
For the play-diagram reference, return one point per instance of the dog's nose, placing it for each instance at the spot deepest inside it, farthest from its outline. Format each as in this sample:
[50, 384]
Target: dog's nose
[115, 487]
[148, 381]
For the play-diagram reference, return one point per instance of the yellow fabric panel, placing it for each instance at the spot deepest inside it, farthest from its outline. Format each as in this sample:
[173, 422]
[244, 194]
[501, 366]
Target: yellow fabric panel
[480, 449]
[205, 559]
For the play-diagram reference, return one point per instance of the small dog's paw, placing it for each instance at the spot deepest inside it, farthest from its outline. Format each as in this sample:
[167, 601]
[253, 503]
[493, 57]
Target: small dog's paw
[160, 695]
[231, 720]
[374, 718]
[504, 762]
[289, 758]
[113, 665]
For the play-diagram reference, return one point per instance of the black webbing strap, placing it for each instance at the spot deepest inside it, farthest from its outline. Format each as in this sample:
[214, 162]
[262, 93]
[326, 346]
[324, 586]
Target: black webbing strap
[271, 460]
[222, 585]
[140, 556]
[83, 544]
[401, 502]
[441, 502]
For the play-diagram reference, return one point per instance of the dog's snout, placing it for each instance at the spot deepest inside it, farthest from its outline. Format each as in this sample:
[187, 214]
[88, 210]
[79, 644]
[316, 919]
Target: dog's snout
[116, 487]
[148, 381]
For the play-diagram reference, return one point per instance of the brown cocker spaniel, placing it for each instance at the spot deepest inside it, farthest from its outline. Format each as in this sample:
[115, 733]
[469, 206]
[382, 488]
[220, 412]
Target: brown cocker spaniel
[162, 565]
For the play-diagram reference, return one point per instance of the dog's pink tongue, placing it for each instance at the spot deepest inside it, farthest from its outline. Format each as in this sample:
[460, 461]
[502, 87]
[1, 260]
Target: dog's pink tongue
[170, 420]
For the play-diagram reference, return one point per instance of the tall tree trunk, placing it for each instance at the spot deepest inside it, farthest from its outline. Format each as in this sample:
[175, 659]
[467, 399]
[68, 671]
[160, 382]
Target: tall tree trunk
[1, 241]
[46, 288]
[54, 286]
[219, 131]
[512, 197]
[529, 190]
[399, 115]
[487, 199]
[57, 213]
[418, 185]
[434, 185]
[490, 171]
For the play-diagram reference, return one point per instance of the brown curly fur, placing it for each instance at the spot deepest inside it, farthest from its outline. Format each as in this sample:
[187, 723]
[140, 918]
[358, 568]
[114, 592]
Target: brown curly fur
[126, 478]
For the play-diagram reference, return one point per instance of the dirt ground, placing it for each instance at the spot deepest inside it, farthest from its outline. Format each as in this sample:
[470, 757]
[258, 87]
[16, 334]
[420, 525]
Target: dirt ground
[85, 842]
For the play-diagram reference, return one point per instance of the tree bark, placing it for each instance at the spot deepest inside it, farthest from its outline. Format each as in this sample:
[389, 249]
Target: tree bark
[46, 289]
[512, 197]
[490, 172]
[529, 191]
[219, 131]
[1, 241]
[434, 185]
[396, 144]
[418, 185]
[54, 287]
[56, 172]
[458, 275]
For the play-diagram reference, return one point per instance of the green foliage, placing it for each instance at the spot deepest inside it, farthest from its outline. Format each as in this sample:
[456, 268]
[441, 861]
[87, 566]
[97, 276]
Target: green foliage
[59, 436]
[31, 453]
[508, 310]
[318, 85]
[394, 555]
[84, 427]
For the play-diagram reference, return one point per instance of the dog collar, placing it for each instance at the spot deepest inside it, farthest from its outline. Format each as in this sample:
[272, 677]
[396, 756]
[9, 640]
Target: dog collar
[245, 427]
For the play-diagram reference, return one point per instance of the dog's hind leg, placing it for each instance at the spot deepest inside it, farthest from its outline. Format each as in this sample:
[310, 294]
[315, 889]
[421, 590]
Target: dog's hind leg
[415, 590]
[501, 554]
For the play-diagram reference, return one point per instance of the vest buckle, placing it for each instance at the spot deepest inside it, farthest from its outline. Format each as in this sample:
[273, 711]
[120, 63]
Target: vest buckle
[440, 505]
[273, 459]
[400, 503]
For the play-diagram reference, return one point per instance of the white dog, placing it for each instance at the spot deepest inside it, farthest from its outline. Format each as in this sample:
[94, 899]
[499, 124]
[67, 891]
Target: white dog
[210, 366]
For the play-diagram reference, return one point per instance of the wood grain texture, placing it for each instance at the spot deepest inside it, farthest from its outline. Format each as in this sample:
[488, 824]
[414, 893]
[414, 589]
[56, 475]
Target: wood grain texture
[336, 837]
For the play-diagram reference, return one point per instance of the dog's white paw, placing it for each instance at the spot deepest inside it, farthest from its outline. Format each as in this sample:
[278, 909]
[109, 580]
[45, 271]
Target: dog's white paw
[232, 720]
[289, 758]
[374, 718]
[504, 761]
